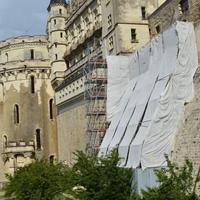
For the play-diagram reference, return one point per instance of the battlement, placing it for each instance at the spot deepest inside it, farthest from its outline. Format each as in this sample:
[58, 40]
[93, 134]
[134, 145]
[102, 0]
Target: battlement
[19, 144]
[14, 147]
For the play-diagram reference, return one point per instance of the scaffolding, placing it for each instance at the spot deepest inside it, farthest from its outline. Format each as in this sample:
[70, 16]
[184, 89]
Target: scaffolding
[95, 73]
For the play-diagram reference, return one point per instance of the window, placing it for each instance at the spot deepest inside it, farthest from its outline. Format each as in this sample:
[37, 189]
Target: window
[32, 54]
[143, 10]
[51, 108]
[38, 139]
[111, 43]
[51, 159]
[60, 11]
[87, 23]
[56, 45]
[5, 141]
[61, 35]
[133, 35]
[107, 2]
[54, 21]
[67, 63]
[109, 21]
[158, 28]
[6, 57]
[32, 84]
[184, 4]
[16, 114]
[79, 29]
[56, 56]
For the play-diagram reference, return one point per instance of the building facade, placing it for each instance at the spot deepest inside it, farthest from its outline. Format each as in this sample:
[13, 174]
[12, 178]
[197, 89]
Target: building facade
[93, 30]
[187, 143]
[173, 10]
[27, 113]
[125, 25]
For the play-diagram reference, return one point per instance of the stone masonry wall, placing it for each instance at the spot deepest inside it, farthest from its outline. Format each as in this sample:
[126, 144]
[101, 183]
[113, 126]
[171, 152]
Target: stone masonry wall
[169, 12]
[187, 141]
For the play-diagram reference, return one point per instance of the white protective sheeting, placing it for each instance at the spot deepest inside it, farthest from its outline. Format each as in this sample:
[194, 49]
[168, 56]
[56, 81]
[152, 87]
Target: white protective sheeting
[118, 79]
[148, 113]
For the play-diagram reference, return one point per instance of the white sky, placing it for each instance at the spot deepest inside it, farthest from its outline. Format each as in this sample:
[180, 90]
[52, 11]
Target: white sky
[22, 17]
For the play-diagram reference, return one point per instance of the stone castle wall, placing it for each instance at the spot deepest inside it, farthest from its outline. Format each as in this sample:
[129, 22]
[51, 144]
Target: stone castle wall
[187, 142]
[25, 88]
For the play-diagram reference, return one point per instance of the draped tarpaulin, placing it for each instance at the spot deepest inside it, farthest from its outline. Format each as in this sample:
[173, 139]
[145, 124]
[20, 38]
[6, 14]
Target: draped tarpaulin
[146, 97]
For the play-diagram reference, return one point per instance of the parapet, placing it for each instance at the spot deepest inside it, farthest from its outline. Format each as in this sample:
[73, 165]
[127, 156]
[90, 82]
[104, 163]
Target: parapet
[23, 39]
[24, 51]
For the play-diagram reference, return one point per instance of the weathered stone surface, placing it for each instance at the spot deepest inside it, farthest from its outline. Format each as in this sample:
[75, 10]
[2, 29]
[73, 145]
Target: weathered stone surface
[17, 66]
[187, 142]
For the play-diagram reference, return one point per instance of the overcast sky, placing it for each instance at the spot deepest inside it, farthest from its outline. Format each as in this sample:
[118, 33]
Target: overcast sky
[22, 17]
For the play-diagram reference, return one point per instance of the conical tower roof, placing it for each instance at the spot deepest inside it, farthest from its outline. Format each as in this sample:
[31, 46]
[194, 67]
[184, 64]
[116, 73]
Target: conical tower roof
[57, 2]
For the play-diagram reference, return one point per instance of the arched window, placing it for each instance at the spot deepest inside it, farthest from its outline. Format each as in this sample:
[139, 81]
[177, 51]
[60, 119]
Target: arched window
[6, 57]
[60, 11]
[38, 139]
[16, 114]
[51, 159]
[32, 54]
[61, 34]
[32, 84]
[56, 56]
[51, 108]
[5, 141]
[54, 21]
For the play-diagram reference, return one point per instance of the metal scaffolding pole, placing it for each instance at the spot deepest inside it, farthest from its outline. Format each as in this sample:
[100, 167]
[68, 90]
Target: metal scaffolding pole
[95, 73]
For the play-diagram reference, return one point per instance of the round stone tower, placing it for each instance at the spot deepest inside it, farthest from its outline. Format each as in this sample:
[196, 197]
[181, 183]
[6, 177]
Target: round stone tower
[57, 10]
[27, 115]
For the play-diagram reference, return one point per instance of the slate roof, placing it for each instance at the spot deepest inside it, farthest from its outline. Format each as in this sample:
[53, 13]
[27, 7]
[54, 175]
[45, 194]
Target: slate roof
[57, 2]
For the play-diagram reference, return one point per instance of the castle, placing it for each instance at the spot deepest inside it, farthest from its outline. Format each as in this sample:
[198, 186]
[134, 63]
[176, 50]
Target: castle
[31, 65]
[53, 87]
[27, 113]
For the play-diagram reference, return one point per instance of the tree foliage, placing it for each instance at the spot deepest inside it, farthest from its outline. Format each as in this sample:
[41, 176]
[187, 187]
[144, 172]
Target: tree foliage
[100, 178]
[176, 183]
[94, 178]
[38, 181]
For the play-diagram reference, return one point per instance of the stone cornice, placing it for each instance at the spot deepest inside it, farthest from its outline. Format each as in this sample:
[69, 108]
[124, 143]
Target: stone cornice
[58, 43]
[22, 44]
[17, 62]
[55, 61]
[56, 17]
[27, 71]
[56, 30]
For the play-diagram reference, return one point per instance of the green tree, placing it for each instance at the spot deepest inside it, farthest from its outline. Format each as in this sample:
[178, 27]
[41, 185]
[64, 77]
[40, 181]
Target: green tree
[38, 181]
[96, 178]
